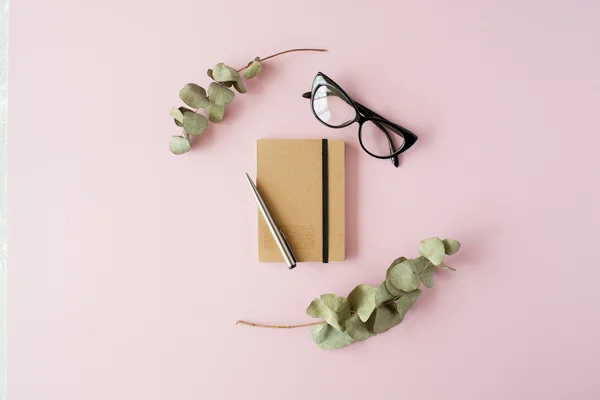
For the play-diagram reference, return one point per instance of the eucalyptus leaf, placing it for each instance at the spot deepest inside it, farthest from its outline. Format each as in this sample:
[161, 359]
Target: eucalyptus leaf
[224, 73]
[383, 295]
[357, 329]
[220, 95]
[179, 145]
[317, 309]
[333, 309]
[210, 75]
[433, 250]
[336, 303]
[327, 337]
[425, 271]
[194, 123]
[252, 69]
[239, 86]
[384, 318]
[215, 112]
[451, 246]
[404, 276]
[395, 262]
[187, 136]
[406, 301]
[228, 76]
[362, 301]
[391, 288]
[177, 114]
[194, 96]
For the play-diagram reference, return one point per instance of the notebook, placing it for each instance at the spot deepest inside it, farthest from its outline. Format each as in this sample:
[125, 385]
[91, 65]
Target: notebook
[291, 177]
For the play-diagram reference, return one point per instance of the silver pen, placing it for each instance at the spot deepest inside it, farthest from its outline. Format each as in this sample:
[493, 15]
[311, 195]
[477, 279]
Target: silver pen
[278, 235]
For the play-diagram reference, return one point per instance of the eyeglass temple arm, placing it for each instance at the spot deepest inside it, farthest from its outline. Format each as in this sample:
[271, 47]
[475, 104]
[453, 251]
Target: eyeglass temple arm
[371, 114]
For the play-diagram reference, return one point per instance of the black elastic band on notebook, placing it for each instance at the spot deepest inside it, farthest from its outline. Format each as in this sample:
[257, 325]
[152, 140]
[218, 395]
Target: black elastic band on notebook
[325, 191]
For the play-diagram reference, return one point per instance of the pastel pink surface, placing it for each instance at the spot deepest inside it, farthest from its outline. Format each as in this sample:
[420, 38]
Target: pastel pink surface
[129, 266]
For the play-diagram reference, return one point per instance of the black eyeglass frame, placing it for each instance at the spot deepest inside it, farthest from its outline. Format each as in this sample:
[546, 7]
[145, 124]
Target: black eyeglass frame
[363, 114]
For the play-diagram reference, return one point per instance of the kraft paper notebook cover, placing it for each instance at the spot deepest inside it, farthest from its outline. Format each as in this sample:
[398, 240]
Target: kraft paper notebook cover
[290, 178]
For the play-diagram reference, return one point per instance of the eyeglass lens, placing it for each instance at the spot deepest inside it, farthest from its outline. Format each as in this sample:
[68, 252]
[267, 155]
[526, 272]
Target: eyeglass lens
[332, 107]
[376, 141]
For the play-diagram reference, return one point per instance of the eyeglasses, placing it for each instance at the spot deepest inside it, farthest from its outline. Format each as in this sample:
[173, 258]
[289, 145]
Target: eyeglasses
[334, 108]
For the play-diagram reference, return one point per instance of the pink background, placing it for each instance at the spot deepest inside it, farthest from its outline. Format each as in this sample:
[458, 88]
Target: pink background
[128, 266]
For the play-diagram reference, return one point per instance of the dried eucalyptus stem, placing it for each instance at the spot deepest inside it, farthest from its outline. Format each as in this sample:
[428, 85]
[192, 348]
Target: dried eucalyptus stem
[278, 326]
[213, 100]
[278, 54]
[369, 310]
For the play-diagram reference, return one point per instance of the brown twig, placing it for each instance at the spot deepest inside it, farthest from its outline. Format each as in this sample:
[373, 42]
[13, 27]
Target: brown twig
[279, 326]
[280, 53]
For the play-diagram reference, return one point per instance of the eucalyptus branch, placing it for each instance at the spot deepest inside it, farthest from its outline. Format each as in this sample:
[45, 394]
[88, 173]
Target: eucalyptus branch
[212, 100]
[369, 310]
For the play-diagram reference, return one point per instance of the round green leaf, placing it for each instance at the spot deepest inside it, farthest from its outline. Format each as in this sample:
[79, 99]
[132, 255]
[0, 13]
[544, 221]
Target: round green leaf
[406, 301]
[362, 301]
[223, 73]
[451, 246]
[333, 309]
[194, 96]
[425, 271]
[219, 94]
[383, 295]
[327, 337]
[252, 69]
[317, 309]
[335, 303]
[228, 76]
[210, 75]
[392, 289]
[433, 250]
[395, 262]
[384, 318]
[404, 276]
[357, 329]
[215, 112]
[239, 86]
[177, 115]
[179, 145]
[194, 123]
